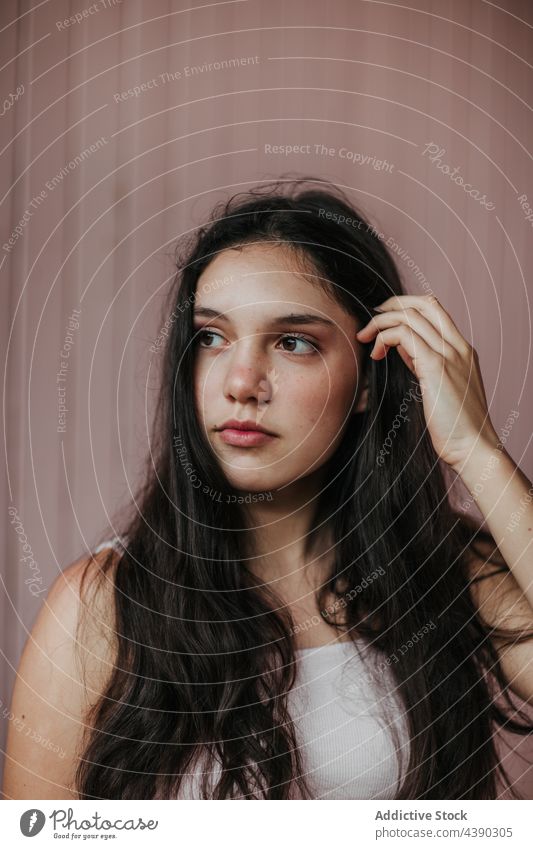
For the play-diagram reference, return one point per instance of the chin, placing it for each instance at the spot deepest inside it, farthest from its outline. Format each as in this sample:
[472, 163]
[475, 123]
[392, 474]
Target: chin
[254, 483]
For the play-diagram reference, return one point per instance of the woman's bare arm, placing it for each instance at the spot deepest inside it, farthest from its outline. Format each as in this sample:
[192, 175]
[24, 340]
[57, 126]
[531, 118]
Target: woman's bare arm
[56, 683]
[504, 495]
[502, 603]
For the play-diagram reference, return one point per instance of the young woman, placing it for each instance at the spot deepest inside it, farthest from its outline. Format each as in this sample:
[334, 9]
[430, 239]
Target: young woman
[294, 609]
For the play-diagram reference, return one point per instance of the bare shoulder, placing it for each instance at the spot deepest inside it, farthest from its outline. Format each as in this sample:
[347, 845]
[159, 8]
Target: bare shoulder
[501, 604]
[67, 659]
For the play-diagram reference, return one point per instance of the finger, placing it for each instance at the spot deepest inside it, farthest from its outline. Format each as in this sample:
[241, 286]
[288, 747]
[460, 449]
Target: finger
[417, 348]
[418, 322]
[433, 310]
[406, 358]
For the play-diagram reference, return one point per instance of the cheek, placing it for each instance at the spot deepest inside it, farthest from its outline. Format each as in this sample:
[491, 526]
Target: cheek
[332, 386]
[302, 396]
[318, 423]
[202, 389]
[320, 404]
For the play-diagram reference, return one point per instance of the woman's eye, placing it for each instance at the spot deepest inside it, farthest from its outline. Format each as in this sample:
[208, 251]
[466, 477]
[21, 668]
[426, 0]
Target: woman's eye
[296, 338]
[203, 333]
[291, 338]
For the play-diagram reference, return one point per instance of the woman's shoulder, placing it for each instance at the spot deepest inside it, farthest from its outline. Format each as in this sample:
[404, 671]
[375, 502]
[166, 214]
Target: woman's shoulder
[88, 585]
[84, 595]
[65, 664]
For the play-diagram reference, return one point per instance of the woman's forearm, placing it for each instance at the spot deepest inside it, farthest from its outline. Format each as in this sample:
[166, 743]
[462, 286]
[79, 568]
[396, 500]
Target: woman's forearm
[504, 496]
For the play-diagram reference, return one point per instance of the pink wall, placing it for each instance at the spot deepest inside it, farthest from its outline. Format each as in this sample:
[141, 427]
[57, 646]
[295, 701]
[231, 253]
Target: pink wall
[363, 78]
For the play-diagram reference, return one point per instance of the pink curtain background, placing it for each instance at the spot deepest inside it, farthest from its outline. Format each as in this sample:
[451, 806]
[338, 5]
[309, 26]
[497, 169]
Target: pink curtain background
[124, 122]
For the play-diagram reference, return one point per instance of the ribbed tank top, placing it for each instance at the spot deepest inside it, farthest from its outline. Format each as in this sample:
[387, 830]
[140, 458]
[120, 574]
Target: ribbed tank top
[350, 723]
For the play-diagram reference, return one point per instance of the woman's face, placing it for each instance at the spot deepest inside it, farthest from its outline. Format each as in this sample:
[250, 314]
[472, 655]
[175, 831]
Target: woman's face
[248, 365]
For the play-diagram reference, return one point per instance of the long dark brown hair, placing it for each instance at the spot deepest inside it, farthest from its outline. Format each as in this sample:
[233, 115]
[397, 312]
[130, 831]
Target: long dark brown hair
[204, 655]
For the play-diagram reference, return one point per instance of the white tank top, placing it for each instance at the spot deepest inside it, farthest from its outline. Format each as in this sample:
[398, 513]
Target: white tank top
[350, 724]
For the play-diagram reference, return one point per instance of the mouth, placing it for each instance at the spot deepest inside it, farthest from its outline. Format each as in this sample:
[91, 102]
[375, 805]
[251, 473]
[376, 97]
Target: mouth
[246, 434]
[245, 438]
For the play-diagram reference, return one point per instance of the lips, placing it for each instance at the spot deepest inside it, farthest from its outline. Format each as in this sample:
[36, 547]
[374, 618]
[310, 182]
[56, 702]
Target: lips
[245, 438]
[247, 425]
[244, 434]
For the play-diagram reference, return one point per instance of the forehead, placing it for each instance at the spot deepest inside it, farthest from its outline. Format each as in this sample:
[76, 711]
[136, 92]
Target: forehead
[255, 275]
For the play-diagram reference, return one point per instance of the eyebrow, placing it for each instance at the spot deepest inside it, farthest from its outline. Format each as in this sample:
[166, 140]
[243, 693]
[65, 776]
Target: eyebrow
[291, 319]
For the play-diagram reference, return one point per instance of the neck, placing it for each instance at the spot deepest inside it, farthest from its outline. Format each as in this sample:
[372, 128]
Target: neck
[277, 542]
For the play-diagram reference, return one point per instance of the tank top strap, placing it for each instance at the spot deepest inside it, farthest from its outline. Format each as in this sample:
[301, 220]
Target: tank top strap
[114, 542]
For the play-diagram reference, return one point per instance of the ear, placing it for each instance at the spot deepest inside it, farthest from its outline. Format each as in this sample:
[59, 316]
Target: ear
[362, 401]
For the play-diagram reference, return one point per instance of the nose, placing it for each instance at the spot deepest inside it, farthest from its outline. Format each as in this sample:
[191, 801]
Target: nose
[247, 371]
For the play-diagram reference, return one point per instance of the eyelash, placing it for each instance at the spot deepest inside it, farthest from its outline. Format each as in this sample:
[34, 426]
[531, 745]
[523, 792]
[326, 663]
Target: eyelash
[296, 335]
